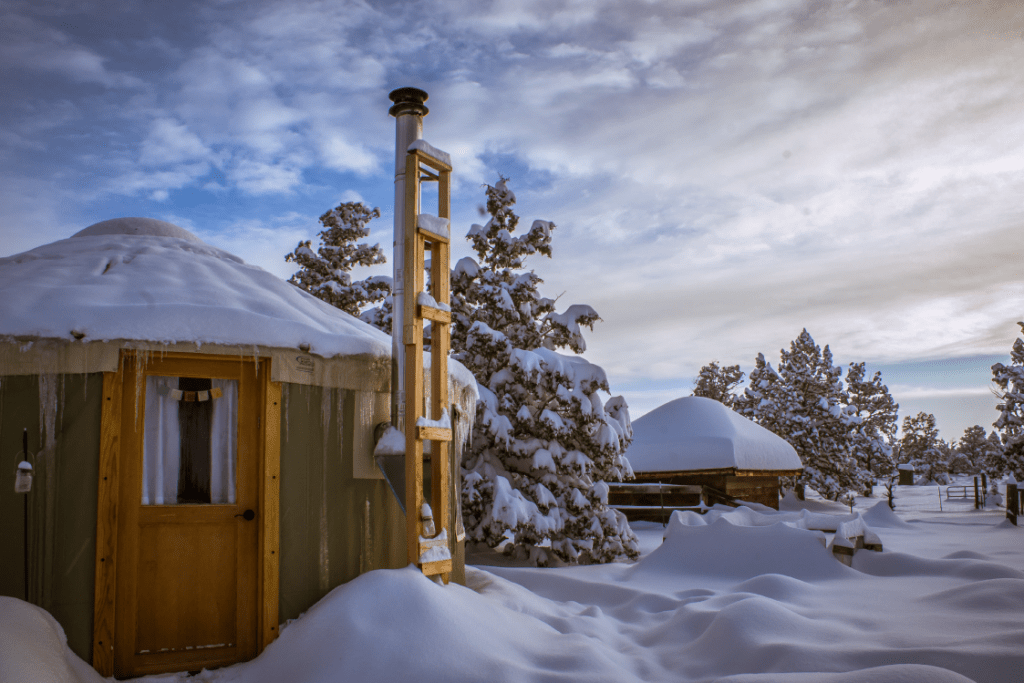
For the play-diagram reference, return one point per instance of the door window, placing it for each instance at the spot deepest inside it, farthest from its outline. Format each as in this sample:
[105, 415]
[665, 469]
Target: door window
[189, 444]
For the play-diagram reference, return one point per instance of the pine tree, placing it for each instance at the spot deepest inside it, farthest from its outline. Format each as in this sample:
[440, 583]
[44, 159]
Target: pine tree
[997, 451]
[543, 443]
[921, 446]
[325, 273]
[1010, 424]
[805, 403]
[716, 382]
[975, 451]
[872, 438]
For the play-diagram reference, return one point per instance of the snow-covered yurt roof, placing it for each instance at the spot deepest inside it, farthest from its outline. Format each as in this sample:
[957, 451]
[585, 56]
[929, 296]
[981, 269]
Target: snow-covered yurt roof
[149, 284]
[694, 433]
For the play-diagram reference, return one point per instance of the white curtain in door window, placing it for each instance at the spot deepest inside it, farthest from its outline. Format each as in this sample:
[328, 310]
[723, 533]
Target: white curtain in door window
[161, 450]
[161, 453]
[223, 438]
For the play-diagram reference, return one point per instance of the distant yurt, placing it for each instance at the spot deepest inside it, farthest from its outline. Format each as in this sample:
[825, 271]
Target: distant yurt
[201, 438]
[698, 441]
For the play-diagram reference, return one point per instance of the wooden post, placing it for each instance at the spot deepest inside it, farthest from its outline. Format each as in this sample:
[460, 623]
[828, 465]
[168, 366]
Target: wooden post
[1012, 503]
[104, 590]
[977, 499]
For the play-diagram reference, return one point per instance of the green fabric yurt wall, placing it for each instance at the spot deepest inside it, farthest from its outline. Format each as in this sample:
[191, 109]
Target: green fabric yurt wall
[64, 448]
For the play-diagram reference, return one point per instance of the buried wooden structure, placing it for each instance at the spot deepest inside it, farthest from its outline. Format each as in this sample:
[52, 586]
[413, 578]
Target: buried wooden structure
[201, 435]
[696, 441]
[655, 501]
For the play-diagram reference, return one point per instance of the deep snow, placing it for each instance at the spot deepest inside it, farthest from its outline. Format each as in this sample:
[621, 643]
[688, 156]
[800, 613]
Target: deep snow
[732, 597]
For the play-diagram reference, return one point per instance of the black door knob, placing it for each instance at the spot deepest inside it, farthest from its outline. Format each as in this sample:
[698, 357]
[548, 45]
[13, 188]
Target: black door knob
[248, 515]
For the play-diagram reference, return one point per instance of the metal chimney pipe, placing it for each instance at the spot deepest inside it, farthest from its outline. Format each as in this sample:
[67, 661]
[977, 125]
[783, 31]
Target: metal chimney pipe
[408, 111]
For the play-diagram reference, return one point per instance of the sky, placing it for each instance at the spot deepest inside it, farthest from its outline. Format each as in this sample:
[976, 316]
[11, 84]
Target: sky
[722, 174]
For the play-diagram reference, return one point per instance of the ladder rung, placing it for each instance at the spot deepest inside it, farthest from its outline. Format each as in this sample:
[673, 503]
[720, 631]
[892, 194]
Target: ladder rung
[431, 236]
[434, 314]
[439, 567]
[433, 433]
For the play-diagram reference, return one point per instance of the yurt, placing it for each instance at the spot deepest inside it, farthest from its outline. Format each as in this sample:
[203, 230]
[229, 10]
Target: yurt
[200, 437]
[698, 441]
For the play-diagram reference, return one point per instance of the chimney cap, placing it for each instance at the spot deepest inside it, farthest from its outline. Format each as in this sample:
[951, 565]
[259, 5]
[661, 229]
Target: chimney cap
[408, 101]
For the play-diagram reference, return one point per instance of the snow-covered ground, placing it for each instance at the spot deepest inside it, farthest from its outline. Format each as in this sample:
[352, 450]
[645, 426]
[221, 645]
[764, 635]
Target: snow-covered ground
[744, 596]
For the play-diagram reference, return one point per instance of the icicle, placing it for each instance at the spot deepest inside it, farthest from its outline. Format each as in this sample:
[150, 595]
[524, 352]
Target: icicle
[325, 420]
[44, 506]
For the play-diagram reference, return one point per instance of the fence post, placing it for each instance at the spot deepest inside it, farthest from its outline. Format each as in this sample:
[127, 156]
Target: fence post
[977, 500]
[1012, 503]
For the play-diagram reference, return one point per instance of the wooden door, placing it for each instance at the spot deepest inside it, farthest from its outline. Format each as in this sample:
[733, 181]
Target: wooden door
[187, 569]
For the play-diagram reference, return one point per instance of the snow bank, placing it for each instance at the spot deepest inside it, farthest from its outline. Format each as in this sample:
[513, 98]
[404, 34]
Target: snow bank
[397, 625]
[697, 433]
[33, 648]
[143, 279]
[896, 673]
[725, 550]
[881, 515]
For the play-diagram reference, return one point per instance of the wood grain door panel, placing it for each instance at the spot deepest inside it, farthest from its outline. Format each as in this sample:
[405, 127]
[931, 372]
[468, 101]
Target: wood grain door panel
[187, 574]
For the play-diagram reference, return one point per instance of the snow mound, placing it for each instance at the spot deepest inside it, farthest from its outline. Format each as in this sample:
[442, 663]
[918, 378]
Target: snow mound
[697, 433]
[748, 516]
[895, 673]
[725, 550]
[881, 515]
[902, 564]
[393, 625]
[143, 279]
[33, 647]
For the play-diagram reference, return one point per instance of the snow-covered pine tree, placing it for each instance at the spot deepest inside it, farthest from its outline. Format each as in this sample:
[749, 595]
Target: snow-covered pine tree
[997, 451]
[872, 439]
[975, 451]
[921, 446]
[543, 443]
[1010, 424]
[325, 273]
[717, 382]
[805, 403]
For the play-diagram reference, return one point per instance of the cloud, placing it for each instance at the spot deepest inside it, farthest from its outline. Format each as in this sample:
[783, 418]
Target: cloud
[256, 177]
[171, 142]
[33, 46]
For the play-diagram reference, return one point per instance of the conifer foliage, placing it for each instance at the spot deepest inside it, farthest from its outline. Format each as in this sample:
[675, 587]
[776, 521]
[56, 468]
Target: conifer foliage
[921, 446]
[873, 436]
[325, 273]
[805, 402]
[717, 382]
[976, 452]
[1010, 424]
[543, 443]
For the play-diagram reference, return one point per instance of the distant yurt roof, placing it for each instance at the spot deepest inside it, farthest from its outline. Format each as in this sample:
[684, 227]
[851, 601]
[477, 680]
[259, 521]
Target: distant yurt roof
[157, 286]
[694, 433]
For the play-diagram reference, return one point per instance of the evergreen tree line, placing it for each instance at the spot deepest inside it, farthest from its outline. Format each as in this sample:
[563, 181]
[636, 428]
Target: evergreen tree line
[544, 442]
[844, 428]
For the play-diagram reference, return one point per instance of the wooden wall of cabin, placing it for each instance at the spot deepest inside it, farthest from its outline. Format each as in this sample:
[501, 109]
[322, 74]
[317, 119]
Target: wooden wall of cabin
[328, 534]
[763, 490]
[62, 502]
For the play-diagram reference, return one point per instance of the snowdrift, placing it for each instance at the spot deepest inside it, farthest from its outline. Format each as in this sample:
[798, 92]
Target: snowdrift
[34, 649]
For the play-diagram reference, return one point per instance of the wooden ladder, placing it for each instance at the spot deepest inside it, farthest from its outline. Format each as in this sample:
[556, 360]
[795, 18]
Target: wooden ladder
[422, 235]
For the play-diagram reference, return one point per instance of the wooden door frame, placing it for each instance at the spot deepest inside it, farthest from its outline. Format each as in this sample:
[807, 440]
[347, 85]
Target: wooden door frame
[268, 450]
